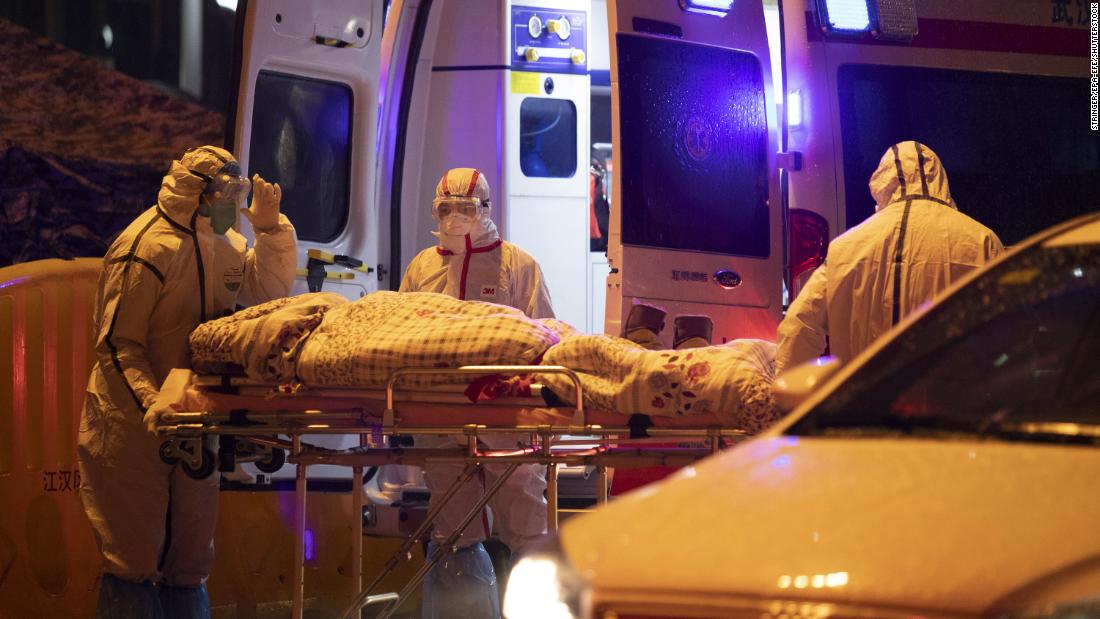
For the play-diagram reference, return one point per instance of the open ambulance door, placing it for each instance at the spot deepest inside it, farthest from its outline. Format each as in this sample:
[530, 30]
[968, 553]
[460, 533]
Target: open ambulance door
[696, 222]
[305, 115]
[999, 90]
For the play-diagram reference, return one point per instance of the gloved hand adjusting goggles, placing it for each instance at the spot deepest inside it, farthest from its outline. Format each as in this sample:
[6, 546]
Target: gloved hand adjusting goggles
[444, 206]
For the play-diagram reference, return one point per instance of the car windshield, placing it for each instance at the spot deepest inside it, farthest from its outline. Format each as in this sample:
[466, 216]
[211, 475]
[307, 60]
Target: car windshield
[1015, 355]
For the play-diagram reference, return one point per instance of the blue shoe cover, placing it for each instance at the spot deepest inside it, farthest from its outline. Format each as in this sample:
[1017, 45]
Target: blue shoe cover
[461, 586]
[185, 602]
[123, 599]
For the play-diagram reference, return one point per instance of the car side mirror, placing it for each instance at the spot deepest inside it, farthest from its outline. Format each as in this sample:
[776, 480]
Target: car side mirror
[796, 384]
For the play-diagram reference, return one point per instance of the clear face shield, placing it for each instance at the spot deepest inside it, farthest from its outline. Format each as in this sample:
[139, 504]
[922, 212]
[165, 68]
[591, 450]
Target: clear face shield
[456, 214]
[224, 193]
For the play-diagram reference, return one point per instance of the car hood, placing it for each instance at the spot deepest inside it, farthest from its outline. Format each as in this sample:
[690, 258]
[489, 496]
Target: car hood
[954, 526]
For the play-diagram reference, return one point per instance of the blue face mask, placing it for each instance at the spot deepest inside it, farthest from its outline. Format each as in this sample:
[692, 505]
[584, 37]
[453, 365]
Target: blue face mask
[224, 191]
[222, 215]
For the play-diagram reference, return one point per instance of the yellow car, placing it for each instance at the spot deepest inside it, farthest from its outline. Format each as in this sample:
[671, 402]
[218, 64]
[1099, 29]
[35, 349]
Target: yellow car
[952, 470]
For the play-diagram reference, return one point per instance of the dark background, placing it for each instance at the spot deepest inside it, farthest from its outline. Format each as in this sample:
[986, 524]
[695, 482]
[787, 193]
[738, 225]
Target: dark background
[145, 39]
[89, 124]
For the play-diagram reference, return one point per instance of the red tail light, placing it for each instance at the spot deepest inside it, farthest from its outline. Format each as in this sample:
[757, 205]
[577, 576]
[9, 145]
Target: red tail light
[809, 239]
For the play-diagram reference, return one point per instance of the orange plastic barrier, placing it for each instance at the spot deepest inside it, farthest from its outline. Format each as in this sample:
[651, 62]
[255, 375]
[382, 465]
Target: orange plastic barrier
[46, 352]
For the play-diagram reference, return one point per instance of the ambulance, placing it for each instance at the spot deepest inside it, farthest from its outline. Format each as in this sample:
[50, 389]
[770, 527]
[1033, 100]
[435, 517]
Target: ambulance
[741, 134]
[696, 155]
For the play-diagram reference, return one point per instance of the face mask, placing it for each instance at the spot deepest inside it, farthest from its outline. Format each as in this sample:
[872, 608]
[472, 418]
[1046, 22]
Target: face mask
[456, 224]
[222, 216]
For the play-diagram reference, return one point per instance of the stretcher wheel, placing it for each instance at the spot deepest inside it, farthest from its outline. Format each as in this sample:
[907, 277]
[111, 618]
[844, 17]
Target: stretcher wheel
[205, 468]
[272, 463]
[168, 453]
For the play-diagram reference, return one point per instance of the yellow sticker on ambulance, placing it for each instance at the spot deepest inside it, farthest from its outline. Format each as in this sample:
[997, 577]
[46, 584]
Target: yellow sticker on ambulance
[525, 83]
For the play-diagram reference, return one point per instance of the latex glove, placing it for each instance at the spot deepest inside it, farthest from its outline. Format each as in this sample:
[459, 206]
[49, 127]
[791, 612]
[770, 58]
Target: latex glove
[264, 210]
[152, 416]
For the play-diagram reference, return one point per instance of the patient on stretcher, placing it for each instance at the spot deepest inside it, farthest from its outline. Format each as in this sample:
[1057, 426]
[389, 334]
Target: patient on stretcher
[321, 339]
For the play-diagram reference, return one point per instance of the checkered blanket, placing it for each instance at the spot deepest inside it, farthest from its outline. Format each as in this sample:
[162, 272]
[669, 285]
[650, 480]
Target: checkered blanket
[732, 381]
[320, 339]
[264, 340]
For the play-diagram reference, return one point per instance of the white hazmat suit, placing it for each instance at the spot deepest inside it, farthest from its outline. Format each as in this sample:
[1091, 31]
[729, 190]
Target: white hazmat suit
[476, 264]
[166, 273]
[471, 262]
[915, 245]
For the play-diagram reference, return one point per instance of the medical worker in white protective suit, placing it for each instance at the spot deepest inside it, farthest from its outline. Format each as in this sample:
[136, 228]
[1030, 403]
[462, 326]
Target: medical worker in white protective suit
[915, 245]
[179, 263]
[472, 262]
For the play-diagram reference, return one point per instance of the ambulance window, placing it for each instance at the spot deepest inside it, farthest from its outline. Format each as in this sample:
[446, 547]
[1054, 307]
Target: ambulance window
[1017, 149]
[693, 136]
[301, 139]
[548, 137]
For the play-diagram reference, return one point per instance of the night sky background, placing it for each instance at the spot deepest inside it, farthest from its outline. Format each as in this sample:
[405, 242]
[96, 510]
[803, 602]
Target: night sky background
[91, 115]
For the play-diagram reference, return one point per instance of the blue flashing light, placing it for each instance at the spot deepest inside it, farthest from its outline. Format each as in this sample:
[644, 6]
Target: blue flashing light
[846, 16]
[311, 550]
[718, 8]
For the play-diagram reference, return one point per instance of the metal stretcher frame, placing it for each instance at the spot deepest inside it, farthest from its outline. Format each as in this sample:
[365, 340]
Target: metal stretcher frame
[255, 412]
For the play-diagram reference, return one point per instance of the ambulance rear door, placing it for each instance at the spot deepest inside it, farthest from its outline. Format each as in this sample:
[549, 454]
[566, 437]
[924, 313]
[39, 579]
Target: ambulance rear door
[695, 224]
[999, 89]
[305, 116]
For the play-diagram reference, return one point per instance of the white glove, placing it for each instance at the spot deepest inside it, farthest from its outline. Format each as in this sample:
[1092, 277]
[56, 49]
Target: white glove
[152, 418]
[264, 210]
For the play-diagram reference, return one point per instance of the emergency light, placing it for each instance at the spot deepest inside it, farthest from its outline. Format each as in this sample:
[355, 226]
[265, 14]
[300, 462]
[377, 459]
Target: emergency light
[718, 8]
[794, 108]
[845, 17]
[892, 20]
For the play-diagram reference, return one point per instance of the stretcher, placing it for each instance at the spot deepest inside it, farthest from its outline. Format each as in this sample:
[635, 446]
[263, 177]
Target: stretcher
[267, 423]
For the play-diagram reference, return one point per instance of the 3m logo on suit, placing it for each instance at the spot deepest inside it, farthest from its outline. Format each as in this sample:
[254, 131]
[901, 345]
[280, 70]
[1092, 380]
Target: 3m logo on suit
[488, 291]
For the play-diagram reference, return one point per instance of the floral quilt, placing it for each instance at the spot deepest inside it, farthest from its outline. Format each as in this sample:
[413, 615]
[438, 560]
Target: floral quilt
[732, 381]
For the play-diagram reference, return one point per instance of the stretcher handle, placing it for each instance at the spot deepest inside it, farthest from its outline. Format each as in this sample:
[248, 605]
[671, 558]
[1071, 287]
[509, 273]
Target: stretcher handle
[578, 411]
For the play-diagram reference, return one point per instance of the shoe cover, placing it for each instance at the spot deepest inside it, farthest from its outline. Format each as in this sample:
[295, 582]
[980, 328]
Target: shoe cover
[185, 602]
[644, 325]
[691, 342]
[644, 316]
[692, 332]
[461, 586]
[123, 599]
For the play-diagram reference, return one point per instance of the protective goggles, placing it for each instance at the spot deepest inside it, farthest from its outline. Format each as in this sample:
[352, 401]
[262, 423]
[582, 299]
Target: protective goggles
[227, 185]
[466, 206]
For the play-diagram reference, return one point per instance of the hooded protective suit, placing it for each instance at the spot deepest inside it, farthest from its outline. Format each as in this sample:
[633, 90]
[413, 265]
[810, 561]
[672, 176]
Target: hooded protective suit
[166, 273]
[472, 262]
[478, 265]
[915, 245]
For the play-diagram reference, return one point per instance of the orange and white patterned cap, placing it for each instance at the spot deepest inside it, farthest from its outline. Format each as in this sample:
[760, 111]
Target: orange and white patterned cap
[463, 182]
